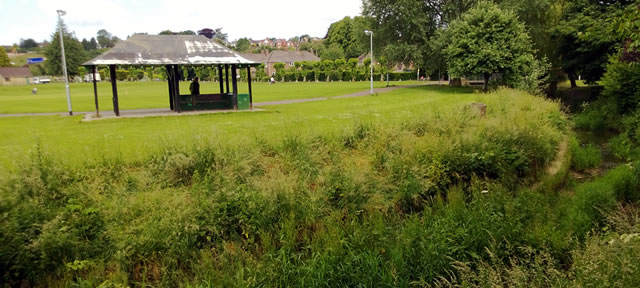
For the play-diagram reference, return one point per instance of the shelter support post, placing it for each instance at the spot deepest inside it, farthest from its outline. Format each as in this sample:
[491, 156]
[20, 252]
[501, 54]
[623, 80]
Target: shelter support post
[250, 92]
[221, 79]
[114, 89]
[176, 88]
[95, 90]
[234, 81]
[226, 73]
[170, 81]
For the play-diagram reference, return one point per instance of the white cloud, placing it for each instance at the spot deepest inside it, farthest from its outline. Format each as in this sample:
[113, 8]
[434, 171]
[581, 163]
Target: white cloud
[241, 18]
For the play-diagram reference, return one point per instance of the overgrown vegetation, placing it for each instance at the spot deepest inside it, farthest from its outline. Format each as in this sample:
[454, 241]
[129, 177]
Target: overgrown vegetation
[393, 204]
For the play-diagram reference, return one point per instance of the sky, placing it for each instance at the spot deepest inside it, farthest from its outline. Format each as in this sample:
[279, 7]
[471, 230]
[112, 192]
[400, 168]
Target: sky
[256, 19]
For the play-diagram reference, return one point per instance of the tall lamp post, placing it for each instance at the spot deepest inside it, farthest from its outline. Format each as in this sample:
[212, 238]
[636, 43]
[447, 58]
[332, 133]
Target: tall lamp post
[370, 33]
[64, 60]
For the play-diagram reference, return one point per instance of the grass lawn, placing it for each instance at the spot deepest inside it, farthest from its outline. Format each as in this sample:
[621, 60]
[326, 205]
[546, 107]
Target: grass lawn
[21, 59]
[140, 95]
[69, 139]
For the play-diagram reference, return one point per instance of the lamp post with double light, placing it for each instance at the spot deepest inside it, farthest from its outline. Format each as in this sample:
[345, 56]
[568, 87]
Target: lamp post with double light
[370, 33]
[64, 60]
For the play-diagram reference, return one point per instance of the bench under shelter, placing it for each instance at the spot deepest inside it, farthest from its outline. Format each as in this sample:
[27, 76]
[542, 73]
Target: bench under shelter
[173, 52]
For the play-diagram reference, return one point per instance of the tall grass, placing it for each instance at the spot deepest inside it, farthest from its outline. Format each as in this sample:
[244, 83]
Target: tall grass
[380, 203]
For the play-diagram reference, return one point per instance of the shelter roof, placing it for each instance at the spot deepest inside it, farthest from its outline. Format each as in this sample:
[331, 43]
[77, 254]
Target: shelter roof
[168, 49]
[10, 72]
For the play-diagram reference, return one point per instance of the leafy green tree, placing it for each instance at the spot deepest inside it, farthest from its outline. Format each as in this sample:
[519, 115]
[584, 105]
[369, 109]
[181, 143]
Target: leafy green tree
[316, 69]
[352, 65]
[340, 66]
[243, 44]
[347, 34]
[307, 69]
[279, 70]
[332, 53]
[93, 44]
[486, 41]
[584, 42]
[105, 39]
[260, 74]
[28, 44]
[298, 66]
[74, 52]
[4, 58]
[328, 66]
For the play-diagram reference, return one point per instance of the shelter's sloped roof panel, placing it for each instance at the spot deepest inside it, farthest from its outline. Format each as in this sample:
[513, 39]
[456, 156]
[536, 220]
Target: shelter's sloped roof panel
[168, 49]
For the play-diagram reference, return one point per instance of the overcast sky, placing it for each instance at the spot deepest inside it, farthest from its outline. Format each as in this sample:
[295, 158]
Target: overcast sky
[239, 18]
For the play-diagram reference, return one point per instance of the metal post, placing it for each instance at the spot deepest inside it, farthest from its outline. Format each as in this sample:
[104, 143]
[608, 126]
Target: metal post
[226, 73]
[370, 33]
[250, 92]
[170, 81]
[95, 90]
[234, 81]
[221, 79]
[64, 60]
[114, 89]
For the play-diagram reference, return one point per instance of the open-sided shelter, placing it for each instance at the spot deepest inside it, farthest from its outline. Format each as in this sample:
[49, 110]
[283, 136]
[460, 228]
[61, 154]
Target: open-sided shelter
[173, 52]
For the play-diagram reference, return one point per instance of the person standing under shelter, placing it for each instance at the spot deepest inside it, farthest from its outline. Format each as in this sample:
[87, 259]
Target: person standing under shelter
[194, 88]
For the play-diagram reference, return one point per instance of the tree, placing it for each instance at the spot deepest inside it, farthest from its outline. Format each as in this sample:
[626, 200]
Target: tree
[85, 44]
[28, 43]
[328, 67]
[316, 69]
[166, 32]
[279, 70]
[93, 44]
[332, 53]
[345, 34]
[587, 53]
[4, 58]
[74, 52]
[353, 65]
[486, 41]
[105, 39]
[243, 44]
[340, 65]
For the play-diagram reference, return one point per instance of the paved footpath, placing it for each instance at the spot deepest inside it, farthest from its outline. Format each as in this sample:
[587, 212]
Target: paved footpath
[143, 112]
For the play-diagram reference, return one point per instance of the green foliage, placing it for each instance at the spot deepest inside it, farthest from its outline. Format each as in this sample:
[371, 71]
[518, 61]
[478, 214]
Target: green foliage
[346, 35]
[389, 201]
[243, 44]
[74, 52]
[4, 58]
[334, 52]
[586, 53]
[622, 85]
[584, 157]
[488, 41]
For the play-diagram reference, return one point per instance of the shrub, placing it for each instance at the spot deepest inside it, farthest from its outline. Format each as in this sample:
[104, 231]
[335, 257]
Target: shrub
[584, 157]
[622, 84]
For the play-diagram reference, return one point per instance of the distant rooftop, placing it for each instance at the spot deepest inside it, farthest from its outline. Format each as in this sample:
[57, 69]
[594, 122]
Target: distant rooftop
[10, 72]
[168, 49]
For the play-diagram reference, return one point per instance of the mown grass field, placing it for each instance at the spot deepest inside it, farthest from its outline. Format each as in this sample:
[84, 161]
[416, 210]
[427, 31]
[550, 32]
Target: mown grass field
[141, 95]
[70, 139]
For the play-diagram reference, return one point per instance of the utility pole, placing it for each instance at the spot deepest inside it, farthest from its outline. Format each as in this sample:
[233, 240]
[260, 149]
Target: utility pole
[370, 33]
[64, 60]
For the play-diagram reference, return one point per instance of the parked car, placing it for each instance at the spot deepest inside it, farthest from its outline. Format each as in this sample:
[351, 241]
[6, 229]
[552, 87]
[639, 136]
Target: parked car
[41, 80]
[89, 77]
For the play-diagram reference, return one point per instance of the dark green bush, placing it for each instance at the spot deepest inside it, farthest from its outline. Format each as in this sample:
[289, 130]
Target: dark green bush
[622, 84]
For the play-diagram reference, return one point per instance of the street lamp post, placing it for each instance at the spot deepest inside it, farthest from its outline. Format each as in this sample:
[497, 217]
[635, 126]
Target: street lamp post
[370, 33]
[64, 60]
